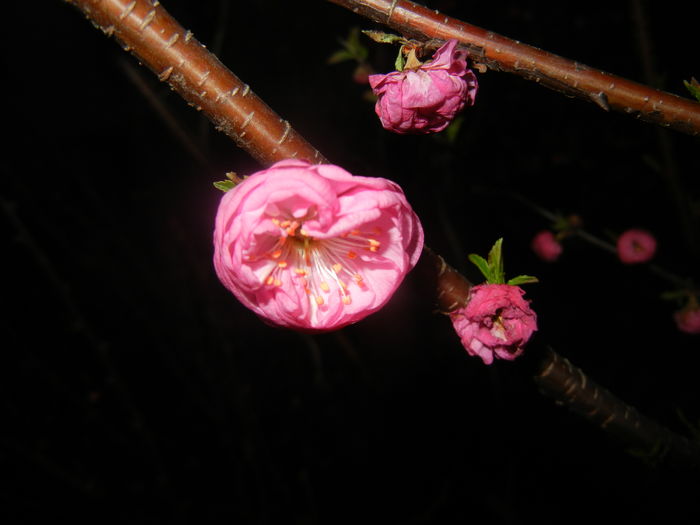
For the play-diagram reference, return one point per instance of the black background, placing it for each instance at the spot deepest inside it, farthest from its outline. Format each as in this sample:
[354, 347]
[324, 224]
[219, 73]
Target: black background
[135, 389]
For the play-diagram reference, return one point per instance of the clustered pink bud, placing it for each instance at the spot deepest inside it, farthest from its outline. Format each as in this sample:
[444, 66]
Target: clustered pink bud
[313, 247]
[688, 319]
[425, 99]
[496, 322]
[636, 246]
[546, 246]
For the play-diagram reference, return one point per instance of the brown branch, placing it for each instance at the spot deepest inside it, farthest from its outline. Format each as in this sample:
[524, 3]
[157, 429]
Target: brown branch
[607, 91]
[148, 31]
[570, 387]
[166, 48]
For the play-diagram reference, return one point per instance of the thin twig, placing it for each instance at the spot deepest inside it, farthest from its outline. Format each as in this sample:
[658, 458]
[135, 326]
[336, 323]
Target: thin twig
[609, 92]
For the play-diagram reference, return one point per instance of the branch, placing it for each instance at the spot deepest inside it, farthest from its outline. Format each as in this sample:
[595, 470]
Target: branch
[147, 30]
[160, 43]
[609, 92]
[569, 386]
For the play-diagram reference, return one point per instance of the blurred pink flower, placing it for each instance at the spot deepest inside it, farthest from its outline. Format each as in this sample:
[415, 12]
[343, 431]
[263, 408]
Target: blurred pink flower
[426, 99]
[636, 246]
[313, 247]
[496, 321]
[546, 246]
[688, 319]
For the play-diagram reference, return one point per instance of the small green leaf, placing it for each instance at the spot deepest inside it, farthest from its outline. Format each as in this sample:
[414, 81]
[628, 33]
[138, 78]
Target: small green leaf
[224, 185]
[383, 38]
[453, 129]
[482, 265]
[400, 61]
[340, 56]
[522, 279]
[694, 87]
[496, 263]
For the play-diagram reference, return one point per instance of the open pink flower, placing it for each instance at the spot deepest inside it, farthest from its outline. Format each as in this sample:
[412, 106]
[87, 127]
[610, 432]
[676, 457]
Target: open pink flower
[496, 321]
[636, 246]
[313, 247]
[688, 319]
[426, 99]
[546, 246]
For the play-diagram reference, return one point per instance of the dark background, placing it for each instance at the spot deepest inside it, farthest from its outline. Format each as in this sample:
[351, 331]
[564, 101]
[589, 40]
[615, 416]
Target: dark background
[134, 388]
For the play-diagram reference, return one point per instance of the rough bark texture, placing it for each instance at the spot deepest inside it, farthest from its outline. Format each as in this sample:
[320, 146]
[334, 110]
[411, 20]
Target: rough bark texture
[570, 387]
[145, 29]
[160, 43]
[609, 92]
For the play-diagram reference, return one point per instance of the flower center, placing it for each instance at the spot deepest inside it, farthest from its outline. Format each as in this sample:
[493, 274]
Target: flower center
[321, 267]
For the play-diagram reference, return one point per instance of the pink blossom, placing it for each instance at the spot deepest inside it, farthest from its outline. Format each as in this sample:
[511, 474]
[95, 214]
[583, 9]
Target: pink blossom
[496, 321]
[636, 246]
[313, 247]
[688, 319]
[546, 246]
[426, 99]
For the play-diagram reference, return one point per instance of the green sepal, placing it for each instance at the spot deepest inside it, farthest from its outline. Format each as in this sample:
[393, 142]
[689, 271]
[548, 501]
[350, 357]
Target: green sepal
[482, 265]
[224, 185]
[400, 61]
[522, 279]
[694, 87]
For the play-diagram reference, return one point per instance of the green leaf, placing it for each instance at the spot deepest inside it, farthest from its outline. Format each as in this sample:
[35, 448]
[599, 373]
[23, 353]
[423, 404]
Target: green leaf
[340, 56]
[353, 44]
[383, 38]
[522, 279]
[482, 265]
[694, 87]
[498, 275]
[224, 185]
[400, 61]
[453, 129]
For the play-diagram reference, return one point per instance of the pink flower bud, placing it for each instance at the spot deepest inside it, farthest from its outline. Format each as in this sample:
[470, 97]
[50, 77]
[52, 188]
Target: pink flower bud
[546, 246]
[313, 247]
[636, 246]
[688, 319]
[426, 99]
[496, 321]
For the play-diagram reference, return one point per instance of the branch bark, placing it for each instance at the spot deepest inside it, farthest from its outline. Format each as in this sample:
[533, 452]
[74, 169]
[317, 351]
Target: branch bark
[609, 92]
[159, 42]
[148, 31]
[570, 387]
